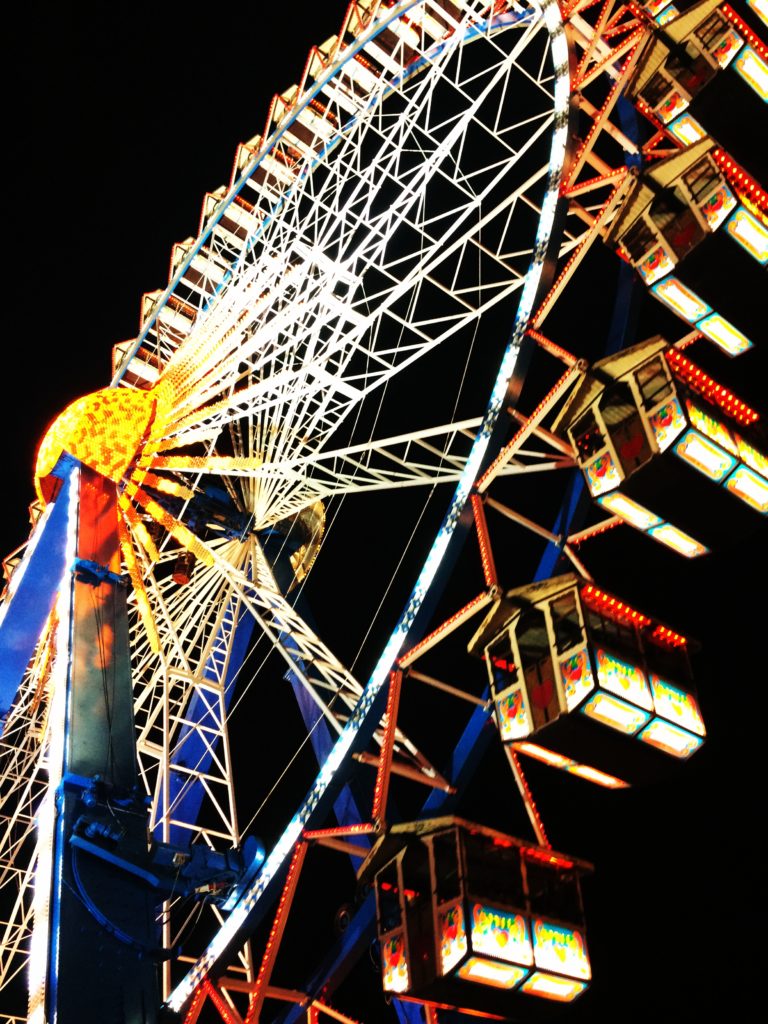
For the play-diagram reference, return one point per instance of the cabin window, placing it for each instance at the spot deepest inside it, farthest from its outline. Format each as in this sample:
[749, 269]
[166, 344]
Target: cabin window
[639, 240]
[701, 179]
[565, 618]
[446, 854]
[587, 437]
[538, 672]
[653, 382]
[493, 870]
[625, 426]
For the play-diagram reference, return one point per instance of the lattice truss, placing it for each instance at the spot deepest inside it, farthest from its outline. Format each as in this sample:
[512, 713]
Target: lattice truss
[360, 233]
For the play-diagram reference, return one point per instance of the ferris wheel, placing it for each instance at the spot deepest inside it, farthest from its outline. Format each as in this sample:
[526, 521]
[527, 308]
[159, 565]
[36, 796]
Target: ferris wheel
[361, 316]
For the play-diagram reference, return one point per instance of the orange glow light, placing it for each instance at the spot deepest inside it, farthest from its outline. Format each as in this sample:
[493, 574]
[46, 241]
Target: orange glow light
[549, 986]
[668, 637]
[103, 430]
[704, 385]
[582, 771]
[487, 972]
[612, 607]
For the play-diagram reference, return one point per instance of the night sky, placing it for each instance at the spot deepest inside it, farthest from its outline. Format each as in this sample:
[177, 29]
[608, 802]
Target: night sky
[118, 119]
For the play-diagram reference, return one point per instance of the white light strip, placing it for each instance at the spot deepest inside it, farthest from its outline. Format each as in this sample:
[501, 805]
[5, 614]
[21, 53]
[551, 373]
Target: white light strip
[550, 12]
[43, 944]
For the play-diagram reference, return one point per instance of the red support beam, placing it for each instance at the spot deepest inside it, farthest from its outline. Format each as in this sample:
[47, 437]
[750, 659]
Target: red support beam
[276, 934]
[381, 789]
[484, 540]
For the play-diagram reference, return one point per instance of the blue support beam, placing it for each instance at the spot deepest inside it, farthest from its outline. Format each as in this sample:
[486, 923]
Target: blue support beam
[34, 586]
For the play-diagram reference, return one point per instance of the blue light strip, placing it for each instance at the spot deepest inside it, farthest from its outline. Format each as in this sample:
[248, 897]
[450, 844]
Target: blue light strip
[283, 848]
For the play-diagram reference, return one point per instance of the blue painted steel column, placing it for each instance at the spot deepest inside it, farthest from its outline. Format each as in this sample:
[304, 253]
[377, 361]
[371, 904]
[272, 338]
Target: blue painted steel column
[32, 592]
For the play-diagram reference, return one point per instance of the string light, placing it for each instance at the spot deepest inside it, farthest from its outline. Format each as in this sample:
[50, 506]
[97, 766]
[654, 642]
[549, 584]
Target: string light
[704, 385]
[612, 607]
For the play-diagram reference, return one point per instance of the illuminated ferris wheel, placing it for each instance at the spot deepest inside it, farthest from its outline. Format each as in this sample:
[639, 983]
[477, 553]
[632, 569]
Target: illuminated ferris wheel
[361, 319]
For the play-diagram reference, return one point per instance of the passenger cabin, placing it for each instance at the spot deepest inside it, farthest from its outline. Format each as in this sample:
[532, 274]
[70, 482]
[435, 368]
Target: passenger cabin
[666, 448]
[700, 64]
[475, 920]
[701, 252]
[585, 683]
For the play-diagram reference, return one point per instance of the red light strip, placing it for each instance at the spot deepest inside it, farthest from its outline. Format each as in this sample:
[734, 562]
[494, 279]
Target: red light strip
[484, 541]
[545, 856]
[381, 788]
[554, 350]
[576, 255]
[196, 1006]
[276, 934]
[580, 5]
[745, 185]
[668, 637]
[340, 831]
[530, 424]
[597, 122]
[227, 1014]
[754, 41]
[447, 627]
[646, 111]
[703, 384]
[592, 183]
[318, 1006]
[594, 531]
[612, 607]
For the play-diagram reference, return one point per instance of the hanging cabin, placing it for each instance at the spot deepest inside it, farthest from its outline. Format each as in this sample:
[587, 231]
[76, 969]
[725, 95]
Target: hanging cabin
[666, 448]
[699, 250]
[471, 919]
[701, 66]
[585, 683]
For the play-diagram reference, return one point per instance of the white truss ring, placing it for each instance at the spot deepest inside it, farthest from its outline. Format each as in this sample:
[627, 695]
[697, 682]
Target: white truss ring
[550, 14]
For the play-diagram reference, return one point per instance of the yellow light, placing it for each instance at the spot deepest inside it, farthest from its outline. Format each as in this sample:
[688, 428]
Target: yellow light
[584, 771]
[623, 679]
[628, 510]
[542, 754]
[549, 986]
[750, 487]
[752, 457]
[682, 300]
[677, 706]
[615, 713]
[103, 430]
[687, 129]
[750, 233]
[655, 6]
[601, 475]
[727, 48]
[760, 7]
[655, 265]
[724, 334]
[670, 738]
[679, 541]
[711, 428]
[717, 207]
[666, 15]
[487, 972]
[673, 105]
[754, 71]
[704, 455]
